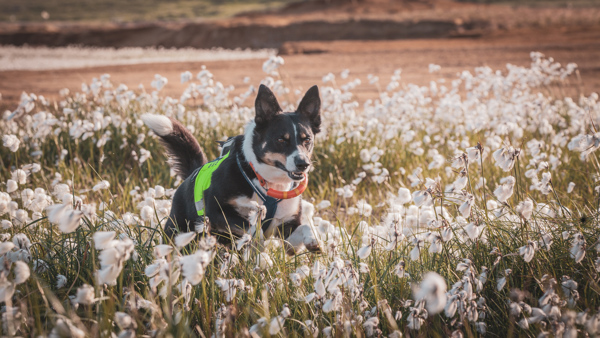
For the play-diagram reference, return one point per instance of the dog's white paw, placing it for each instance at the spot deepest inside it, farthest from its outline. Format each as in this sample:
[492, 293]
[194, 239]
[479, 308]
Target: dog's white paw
[310, 240]
[262, 211]
[257, 212]
[304, 235]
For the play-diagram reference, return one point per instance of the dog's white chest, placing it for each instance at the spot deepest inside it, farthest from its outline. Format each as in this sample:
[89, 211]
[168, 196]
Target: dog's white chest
[287, 209]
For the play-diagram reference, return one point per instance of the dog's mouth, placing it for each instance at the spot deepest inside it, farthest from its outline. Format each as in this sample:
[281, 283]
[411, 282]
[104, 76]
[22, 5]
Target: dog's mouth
[294, 175]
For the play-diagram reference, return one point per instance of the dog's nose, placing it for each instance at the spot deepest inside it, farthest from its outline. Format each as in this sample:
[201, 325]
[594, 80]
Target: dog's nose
[301, 163]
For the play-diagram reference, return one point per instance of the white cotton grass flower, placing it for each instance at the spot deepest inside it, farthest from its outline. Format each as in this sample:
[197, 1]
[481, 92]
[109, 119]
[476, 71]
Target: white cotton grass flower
[6, 247]
[464, 265]
[11, 142]
[162, 250]
[370, 326]
[61, 281]
[465, 207]
[320, 288]
[344, 74]
[570, 187]
[528, 251]
[404, 196]
[21, 241]
[21, 271]
[363, 268]
[277, 323]
[11, 186]
[20, 176]
[586, 144]
[451, 306]
[68, 220]
[335, 302]
[123, 320]
[6, 224]
[245, 239]
[365, 251]
[85, 295]
[324, 204]
[505, 157]
[272, 64]
[257, 329]
[364, 208]
[474, 230]
[147, 213]
[32, 168]
[461, 182]
[144, 155]
[415, 253]
[505, 190]
[525, 208]
[101, 185]
[433, 291]
[194, 266]
[65, 328]
[546, 241]
[416, 318]
[436, 242]
[329, 78]
[229, 287]
[103, 239]
[422, 198]
[184, 239]
[112, 259]
[229, 261]
[433, 68]
[159, 82]
[200, 227]
[264, 261]
[474, 154]
[447, 234]
[502, 281]
[186, 76]
[545, 184]
[578, 247]
[399, 269]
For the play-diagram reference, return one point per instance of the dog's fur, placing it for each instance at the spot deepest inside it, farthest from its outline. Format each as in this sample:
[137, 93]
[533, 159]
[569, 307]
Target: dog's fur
[278, 144]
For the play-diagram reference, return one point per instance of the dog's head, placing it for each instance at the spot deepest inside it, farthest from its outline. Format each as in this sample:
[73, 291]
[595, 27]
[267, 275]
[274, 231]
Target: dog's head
[282, 143]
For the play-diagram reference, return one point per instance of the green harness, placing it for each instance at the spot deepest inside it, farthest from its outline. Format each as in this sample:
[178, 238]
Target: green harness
[203, 181]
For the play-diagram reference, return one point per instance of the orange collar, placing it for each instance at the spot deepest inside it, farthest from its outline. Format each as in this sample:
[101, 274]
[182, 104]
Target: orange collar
[278, 193]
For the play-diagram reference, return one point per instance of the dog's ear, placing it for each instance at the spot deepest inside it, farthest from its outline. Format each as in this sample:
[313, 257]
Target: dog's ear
[310, 107]
[266, 106]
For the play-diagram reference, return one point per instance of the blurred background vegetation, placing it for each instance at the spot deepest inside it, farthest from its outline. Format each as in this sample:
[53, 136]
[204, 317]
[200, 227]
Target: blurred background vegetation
[128, 11]
[173, 10]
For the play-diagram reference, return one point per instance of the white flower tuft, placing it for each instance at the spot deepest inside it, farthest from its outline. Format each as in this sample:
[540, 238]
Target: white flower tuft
[184, 239]
[433, 291]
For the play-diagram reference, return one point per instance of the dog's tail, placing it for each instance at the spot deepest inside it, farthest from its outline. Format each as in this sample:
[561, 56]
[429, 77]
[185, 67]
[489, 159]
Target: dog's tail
[185, 154]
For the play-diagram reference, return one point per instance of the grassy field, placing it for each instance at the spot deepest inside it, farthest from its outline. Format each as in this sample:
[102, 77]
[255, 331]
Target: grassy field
[128, 11]
[464, 208]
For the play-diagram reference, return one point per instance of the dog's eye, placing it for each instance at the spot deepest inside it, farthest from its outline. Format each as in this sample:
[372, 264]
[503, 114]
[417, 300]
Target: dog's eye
[306, 141]
[281, 140]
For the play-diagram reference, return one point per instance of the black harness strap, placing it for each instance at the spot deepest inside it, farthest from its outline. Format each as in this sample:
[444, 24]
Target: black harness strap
[269, 202]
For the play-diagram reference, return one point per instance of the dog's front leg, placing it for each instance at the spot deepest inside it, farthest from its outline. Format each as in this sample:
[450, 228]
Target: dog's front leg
[302, 235]
[249, 209]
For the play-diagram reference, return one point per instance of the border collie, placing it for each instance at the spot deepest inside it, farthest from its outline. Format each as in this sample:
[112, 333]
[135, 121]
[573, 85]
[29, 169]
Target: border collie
[257, 181]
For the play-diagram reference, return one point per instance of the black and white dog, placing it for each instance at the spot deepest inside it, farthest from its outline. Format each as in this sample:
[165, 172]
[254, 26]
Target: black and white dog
[261, 173]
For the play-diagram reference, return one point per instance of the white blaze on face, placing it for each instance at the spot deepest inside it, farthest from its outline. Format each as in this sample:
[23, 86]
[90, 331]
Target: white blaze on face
[290, 162]
[295, 131]
[270, 173]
